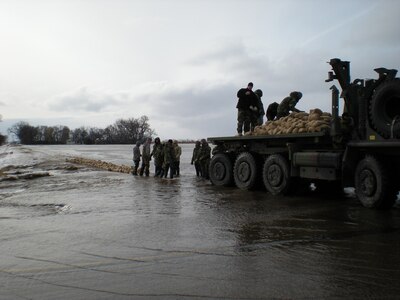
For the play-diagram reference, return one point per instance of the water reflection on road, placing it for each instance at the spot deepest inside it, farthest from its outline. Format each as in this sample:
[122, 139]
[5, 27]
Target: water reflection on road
[90, 234]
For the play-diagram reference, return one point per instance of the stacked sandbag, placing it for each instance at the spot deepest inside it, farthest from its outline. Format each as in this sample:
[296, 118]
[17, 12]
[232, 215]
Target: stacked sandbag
[100, 164]
[297, 122]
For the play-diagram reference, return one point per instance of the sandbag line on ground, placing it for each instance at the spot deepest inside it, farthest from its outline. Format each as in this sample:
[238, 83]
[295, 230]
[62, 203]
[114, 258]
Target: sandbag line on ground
[100, 164]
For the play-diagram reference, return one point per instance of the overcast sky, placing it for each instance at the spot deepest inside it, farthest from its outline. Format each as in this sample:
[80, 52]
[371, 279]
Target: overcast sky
[181, 62]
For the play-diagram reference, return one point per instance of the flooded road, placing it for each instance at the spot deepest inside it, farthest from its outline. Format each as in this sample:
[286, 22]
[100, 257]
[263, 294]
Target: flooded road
[91, 234]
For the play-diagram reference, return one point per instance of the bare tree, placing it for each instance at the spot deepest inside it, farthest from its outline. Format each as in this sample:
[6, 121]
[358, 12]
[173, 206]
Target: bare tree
[123, 131]
[24, 132]
[3, 138]
[28, 134]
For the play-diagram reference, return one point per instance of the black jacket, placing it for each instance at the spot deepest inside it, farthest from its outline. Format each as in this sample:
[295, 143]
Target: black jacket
[245, 101]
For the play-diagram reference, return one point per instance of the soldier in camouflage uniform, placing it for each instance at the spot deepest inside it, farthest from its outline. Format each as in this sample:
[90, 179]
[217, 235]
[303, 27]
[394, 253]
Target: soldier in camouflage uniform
[247, 105]
[158, 155]
[178, 153]
[259, 114]
[288, 104]
[195, 158]
[136, 158]
[204, 158]
[169, 159]
[146, 157]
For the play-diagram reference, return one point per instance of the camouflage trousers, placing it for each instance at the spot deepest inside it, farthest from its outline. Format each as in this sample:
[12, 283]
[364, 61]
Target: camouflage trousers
[243, 121]
[204, 165]
[135, 167]
[145, 168]
[247, 120]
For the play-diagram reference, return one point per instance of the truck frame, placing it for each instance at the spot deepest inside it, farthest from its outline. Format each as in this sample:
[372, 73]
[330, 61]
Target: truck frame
[366, 157]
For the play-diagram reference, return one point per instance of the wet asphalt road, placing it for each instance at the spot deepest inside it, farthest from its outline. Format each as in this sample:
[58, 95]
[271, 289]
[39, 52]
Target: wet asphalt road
[89, 234]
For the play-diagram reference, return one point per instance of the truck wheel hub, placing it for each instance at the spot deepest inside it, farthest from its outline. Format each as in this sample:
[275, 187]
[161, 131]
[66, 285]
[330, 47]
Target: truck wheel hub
[274, 175]
[368, 182]
[219, 171]
[244, 172]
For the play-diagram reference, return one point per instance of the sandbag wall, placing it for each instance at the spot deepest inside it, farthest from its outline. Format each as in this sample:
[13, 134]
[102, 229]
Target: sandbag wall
[297, 122]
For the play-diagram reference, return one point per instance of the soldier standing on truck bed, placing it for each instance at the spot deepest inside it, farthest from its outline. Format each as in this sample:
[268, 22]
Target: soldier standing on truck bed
[288, 104]
[247, 106]
[259, 114]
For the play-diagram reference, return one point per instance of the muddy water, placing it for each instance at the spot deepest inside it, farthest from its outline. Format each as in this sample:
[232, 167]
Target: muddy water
[93, 234]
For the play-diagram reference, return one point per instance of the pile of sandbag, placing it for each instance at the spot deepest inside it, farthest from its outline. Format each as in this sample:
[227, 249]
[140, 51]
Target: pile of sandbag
[297, 122]
[100, 164]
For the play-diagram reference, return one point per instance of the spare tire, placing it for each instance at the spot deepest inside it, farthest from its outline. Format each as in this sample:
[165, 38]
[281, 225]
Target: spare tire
[384, 109]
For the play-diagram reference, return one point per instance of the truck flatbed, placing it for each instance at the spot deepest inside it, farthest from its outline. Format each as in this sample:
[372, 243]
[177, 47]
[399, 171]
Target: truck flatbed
[268, 137]
[361, 148]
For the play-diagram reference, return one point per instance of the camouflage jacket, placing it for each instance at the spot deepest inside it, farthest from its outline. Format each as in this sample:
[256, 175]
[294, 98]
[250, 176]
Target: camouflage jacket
[195, 156]
[286, 106]
[205, 152]
[158, 153]
[136, 153]
[169, 154]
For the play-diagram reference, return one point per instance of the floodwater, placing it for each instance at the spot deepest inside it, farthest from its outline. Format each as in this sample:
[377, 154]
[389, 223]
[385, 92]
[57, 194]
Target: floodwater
[92, 234]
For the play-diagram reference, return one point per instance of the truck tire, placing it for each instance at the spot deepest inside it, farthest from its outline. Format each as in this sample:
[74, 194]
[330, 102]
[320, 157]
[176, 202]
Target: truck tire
[373, 185]
[276, 174]
[384, 109]
[245, 171]
[221, 173]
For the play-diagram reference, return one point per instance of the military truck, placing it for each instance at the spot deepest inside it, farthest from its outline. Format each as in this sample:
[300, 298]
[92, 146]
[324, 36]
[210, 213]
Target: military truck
[364, 155]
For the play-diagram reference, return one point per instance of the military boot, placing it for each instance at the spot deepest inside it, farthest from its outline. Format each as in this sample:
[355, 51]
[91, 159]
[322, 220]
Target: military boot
[134, 171]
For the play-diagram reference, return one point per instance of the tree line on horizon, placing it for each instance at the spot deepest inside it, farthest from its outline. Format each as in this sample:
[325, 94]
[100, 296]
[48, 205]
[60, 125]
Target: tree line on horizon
[3, 138]
[123, 131]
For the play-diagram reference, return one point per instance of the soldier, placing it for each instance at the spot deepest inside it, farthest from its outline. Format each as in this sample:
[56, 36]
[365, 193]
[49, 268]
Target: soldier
[288, 104]
[195, 158]
[178, 153]
[272, 110]
[158, 155]
[259, 114]
[136, 158]
[169, 159]
[146, 157]
[204, 158]
[247, 104]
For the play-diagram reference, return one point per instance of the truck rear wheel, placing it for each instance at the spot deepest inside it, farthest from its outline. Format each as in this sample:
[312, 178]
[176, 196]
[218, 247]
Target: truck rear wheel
[385, 109]
[245, 171]
[276, 174]
[373, 185]
[221, 173]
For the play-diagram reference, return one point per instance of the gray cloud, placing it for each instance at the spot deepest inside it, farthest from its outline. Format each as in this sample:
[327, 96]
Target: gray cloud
[378, 29]
[84, 100]
[232, 57]
[193, 102]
